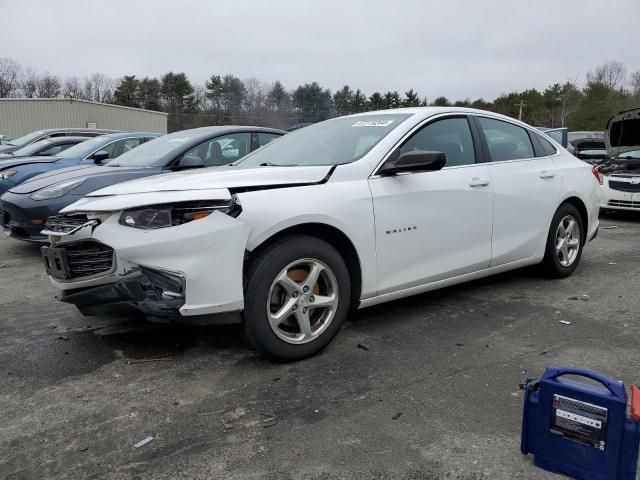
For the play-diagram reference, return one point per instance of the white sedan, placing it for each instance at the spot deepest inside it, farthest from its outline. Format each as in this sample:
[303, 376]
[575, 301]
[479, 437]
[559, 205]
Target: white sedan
[347, 213]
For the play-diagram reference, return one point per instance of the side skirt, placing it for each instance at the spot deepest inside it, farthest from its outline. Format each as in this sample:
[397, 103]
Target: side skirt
[387, 297]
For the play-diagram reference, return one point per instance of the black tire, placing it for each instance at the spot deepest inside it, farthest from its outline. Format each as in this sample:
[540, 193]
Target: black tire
[262, 272]
[551, 265]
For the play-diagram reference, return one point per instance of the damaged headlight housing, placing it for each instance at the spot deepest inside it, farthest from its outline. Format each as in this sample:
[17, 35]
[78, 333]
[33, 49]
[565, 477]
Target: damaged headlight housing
[163, 216]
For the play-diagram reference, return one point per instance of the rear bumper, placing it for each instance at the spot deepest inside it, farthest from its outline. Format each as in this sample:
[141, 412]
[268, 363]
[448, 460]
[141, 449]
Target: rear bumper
[24, 218]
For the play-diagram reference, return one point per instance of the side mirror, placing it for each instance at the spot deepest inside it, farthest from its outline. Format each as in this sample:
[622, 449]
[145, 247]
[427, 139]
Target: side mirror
[190, 161]
[416, 161]
[100, 156]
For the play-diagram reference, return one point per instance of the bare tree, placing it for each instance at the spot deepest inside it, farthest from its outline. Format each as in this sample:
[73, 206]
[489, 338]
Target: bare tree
[73, 89]
[10, 72]
[634, 80]
[256, 95]
[30, 83]
[48, 86]
[610, 75]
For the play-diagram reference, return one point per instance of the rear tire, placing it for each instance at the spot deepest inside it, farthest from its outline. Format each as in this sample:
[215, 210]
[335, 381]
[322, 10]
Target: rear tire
[565, 242]
[297, 295]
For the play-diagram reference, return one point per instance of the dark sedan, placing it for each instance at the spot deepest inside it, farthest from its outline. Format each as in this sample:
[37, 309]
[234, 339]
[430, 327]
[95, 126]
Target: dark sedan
[92, 151]
[38, 135]
[25, 208]
[46, 147]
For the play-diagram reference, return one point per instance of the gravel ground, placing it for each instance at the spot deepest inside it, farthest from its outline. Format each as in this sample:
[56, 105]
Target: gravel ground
[419, 388]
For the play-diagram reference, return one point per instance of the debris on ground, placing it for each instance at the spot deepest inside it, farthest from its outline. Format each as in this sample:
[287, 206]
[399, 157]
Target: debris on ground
[275, 379]
[143, 442]
[565, 322]
[83, 449]
[610, 227]
[396, 416]
[363, 347]
[63, 337]
[459, 344]
[151, 359]
[233, 418]
[575, 297]
[612, 263]
[585, 298]
[268, 421]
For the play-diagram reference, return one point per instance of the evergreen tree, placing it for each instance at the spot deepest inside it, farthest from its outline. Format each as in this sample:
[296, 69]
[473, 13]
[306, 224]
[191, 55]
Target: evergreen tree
[126, 93]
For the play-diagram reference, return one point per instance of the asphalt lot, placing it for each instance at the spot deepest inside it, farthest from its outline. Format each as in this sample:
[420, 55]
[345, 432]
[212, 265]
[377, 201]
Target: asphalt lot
[419, 388]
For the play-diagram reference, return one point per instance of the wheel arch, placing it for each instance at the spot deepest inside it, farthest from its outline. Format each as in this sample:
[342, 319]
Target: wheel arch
[329, 233]
[582, 210]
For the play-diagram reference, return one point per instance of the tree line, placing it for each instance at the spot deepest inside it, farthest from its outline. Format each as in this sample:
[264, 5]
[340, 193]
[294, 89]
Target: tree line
[579, 105]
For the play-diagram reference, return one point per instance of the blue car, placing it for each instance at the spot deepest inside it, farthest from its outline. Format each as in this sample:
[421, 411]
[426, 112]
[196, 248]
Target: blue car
[94, 151]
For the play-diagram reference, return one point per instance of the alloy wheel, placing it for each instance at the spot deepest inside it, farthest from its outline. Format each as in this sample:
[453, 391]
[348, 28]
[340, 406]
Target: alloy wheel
[567, 240]
[302, 301]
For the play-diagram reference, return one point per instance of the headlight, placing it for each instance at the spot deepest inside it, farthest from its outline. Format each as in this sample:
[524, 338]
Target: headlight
[6, 174]
[163, 216]
[56, 190]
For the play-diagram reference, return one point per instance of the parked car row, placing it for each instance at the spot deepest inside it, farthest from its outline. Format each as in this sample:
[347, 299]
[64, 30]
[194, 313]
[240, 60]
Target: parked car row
[342, 214]
[38, 135]
[62, 179]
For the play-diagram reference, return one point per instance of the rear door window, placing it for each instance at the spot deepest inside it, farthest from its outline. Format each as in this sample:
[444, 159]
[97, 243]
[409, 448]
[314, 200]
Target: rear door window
[506, 141]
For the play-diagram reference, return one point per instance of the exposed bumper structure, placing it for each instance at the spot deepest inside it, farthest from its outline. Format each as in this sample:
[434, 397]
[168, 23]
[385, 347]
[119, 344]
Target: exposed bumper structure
[183, 271]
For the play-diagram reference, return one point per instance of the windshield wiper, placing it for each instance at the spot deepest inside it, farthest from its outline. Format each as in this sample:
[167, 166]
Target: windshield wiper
[269, 164]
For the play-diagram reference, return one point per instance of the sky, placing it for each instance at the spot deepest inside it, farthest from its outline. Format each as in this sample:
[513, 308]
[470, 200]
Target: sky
[456, 48]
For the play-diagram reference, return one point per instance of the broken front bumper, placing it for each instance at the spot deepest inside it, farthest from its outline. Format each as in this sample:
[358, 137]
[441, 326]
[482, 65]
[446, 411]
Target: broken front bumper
[189, 270]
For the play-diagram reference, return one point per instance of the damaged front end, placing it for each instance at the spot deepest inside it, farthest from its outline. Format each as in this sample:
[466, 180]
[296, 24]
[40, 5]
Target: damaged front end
[179, 261]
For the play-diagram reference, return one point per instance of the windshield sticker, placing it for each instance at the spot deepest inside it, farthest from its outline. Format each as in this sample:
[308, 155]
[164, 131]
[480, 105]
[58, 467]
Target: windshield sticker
[181, 139]
[373, 123]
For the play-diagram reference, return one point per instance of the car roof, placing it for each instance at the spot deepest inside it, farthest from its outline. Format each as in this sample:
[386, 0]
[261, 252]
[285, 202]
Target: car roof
[116, 136]
[66, 139]
[76, 129]
[226, 129]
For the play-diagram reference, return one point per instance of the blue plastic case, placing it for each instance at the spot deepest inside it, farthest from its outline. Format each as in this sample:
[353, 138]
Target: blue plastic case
[580, 429]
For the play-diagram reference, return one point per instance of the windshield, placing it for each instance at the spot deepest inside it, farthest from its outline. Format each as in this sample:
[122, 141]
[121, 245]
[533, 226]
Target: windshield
[82, 149]
[26, 140]
[149, 153]
[31, 148]
[333, 142]
[573, 136]
[635, 154]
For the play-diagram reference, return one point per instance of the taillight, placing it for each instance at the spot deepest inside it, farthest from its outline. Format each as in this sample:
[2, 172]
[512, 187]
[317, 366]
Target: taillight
[596, 173]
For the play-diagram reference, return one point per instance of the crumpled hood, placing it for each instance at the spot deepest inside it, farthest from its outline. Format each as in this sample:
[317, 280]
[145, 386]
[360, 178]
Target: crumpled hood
[218, 177]
[202, 184]
[11, 162]
[623, 132]
[106, 175]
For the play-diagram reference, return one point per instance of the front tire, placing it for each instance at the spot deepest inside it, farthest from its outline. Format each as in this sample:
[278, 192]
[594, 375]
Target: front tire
[565, 242]
[297, 295]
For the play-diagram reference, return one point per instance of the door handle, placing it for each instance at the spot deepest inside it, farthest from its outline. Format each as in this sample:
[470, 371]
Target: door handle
[478, 182]
[547, 174]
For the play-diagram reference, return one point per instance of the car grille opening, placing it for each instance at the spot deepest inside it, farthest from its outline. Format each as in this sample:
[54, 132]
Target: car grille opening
[624, 203]
[63, 224]
[88, 258]
[624, 186]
